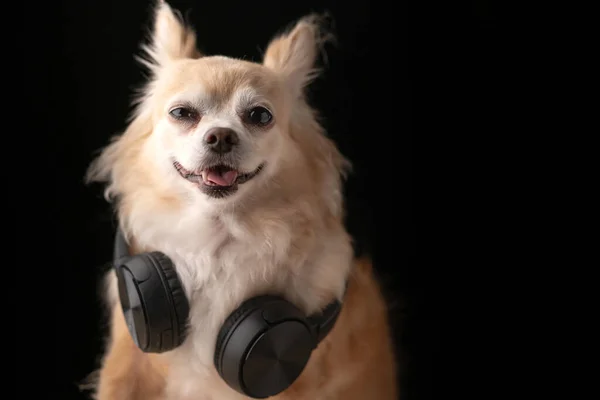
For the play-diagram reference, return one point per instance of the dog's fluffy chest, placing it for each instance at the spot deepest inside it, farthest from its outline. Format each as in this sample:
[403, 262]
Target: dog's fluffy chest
[222, 251]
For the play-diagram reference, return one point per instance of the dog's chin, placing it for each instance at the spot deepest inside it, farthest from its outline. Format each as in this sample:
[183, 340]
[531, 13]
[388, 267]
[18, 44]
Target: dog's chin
[217, 181]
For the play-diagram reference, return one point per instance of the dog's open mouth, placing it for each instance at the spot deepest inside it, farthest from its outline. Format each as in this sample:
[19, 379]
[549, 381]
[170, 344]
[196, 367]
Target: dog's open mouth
[219, 180]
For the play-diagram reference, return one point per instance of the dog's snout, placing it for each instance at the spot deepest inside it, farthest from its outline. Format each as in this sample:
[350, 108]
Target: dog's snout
[221, 140]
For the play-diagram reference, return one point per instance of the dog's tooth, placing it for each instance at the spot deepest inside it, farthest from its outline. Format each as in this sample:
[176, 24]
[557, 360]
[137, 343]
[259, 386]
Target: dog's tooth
[204, 174]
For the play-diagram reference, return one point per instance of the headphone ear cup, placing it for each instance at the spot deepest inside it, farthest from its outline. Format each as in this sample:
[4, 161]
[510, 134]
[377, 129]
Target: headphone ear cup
[263, 346]
[180, 302]
[153, 301]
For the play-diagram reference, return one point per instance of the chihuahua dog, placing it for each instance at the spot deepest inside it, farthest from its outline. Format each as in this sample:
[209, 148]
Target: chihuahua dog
[225, 169]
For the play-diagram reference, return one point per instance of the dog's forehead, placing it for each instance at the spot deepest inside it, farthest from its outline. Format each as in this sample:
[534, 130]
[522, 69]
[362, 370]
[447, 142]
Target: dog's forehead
[220, 79]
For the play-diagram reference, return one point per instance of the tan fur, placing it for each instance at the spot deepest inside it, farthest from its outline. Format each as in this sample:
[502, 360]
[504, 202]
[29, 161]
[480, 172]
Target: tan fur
[283, 233]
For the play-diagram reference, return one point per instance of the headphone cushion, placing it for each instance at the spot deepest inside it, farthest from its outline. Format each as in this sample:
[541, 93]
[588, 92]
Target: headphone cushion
[180, 301]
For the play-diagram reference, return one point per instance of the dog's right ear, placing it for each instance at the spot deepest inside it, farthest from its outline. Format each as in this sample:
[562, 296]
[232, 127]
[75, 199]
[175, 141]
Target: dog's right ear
[171, 38]
[293, 54]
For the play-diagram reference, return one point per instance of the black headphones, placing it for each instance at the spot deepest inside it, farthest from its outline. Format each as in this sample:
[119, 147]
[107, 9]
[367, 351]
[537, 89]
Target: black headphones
[262, 347]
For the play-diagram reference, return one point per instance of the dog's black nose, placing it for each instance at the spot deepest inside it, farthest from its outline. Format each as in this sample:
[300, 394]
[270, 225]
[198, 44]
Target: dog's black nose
[221, 140]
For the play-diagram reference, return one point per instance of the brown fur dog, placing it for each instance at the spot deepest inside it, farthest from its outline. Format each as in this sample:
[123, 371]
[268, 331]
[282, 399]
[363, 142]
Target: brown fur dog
[225, 169]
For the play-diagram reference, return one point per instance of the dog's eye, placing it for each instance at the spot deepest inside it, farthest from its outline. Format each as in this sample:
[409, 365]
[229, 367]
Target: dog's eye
[259, 116]
[183, 113]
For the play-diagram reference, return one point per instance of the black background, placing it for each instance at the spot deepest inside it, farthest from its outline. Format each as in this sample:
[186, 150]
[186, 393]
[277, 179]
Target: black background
[398, 73]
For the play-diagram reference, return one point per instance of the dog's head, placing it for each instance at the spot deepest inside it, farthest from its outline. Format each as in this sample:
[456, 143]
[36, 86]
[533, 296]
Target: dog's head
[215, 129]
[217, 124]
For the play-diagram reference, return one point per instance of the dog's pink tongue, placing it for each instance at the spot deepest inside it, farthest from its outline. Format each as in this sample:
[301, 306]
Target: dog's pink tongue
[221, 178]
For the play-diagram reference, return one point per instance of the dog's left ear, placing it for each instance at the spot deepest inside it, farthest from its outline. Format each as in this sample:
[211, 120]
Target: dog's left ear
[171, 39]
[294, 53]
